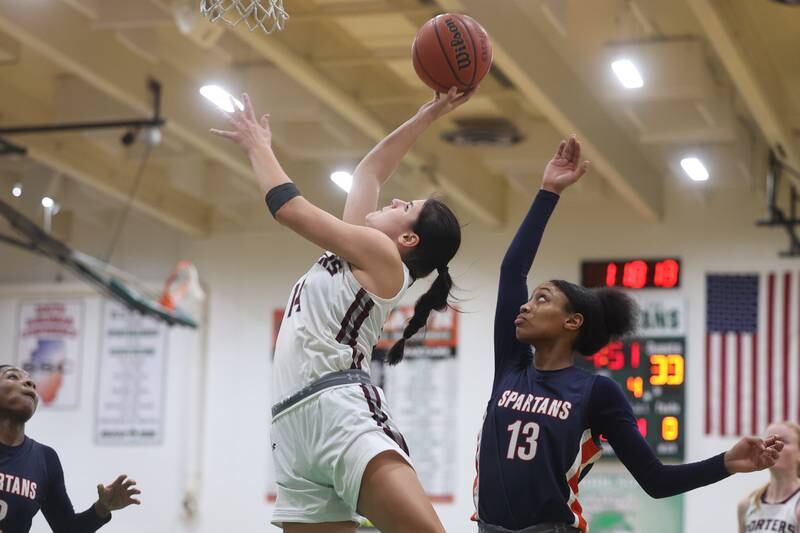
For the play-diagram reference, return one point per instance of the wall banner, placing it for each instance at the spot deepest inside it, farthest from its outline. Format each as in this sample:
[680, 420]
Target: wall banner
[49, 346]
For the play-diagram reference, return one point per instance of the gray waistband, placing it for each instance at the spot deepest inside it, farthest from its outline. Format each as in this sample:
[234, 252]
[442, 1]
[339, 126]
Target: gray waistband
[334, 379]
[539, 528]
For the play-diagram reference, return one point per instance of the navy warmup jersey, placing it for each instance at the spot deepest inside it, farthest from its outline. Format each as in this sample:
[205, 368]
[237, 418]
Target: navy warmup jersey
[541, 429]
[31, 478]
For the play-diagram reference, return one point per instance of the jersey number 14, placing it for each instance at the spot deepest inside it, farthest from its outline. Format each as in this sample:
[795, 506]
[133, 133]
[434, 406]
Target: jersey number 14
[294, 302]
[526, 449]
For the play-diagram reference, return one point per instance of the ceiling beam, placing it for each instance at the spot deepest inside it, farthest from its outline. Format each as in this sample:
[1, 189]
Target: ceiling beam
[105, 63]
[78, 159]
[541, 74]
[756, 97]
[89, 167]
[484, 198]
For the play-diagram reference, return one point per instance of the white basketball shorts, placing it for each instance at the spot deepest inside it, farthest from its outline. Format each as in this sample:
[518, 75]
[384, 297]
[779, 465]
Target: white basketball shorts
[321, 448]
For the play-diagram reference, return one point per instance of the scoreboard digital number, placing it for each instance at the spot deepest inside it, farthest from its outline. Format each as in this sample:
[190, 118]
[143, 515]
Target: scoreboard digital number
[652, 373]
[632, 273]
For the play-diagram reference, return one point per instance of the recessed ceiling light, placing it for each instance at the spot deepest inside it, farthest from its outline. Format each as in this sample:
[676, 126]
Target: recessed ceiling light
[694, 168]
[220, 97]
[343, 179]
[627, 73]
[16, 190]
[47, 202]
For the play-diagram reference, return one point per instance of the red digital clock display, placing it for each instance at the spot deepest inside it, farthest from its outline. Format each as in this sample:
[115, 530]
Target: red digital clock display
[632, 273]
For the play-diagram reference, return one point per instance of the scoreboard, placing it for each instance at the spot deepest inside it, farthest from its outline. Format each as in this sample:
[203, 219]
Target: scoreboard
[651, 372]
[650, 368]
[663, 273]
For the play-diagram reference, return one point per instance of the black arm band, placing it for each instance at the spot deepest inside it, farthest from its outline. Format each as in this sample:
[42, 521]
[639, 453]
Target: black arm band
[277, 196]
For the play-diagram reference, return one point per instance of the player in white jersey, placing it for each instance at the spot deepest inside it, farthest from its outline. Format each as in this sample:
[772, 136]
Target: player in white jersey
[774, 507]
[337, 453]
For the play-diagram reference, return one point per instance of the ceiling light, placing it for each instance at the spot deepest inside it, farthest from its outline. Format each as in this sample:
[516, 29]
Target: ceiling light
[343, 179]
[694, 168]
[16, 190]
[152, 136]
[627, 73]
[220, 97]
[47, 202]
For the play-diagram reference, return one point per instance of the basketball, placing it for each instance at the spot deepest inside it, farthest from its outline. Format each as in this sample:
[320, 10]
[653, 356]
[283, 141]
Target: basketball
[452, 50]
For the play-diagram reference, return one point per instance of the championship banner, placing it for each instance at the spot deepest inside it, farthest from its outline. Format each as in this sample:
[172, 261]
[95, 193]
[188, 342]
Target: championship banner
[421, 394]
[132, 377]
[49, 346]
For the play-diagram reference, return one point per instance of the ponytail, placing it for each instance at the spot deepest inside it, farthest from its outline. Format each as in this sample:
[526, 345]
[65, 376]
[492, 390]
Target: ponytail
[607, 314]
[434, 299]
[757, 495]
[439, 239]
[619, 312]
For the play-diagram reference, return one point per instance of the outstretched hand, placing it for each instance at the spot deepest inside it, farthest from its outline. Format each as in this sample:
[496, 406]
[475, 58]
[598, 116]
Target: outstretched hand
[751, 454]
[118, 495]
[443, 103]
[565, 168]
[248, 132]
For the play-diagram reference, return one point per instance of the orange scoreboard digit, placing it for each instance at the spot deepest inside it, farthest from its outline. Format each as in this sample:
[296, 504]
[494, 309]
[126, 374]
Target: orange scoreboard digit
[652, 373]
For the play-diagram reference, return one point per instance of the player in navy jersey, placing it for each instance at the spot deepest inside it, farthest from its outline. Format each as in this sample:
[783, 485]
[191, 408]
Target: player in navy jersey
[542, 427]
[31, 477]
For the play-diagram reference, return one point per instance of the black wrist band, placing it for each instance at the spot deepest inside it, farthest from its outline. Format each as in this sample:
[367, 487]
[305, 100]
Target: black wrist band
[277, 196]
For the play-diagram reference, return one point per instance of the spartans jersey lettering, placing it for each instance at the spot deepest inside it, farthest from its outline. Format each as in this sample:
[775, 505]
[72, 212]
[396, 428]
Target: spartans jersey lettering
[31, 479]
[528, 403]
[20, 486]
[331, 323]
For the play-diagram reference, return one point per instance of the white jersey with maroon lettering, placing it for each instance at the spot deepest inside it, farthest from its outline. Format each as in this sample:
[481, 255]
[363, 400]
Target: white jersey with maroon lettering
[780, 517]
[331, 323]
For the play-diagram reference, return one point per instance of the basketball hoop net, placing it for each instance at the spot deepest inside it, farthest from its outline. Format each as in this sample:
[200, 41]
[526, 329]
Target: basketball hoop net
[269, 15]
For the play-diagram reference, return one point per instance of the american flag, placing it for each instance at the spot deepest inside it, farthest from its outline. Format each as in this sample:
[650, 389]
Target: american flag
[752, 355]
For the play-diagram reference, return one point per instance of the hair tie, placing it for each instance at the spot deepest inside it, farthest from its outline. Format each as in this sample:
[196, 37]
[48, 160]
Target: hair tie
[443, 270]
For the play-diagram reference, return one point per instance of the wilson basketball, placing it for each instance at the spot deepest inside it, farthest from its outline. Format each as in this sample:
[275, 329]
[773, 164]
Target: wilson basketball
[452, 50]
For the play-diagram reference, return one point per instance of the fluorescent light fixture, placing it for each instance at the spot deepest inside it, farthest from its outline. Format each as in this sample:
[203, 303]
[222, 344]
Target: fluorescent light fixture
[16, 190]
[220, 97]
[627, 73]
[694, 168]
[343, 179]
[47, 202]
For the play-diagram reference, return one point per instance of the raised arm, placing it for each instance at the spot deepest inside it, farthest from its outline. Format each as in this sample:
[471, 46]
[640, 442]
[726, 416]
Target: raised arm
[382, 161]
[512, 291]
[365, 248]
[562, 171]
[611, 415]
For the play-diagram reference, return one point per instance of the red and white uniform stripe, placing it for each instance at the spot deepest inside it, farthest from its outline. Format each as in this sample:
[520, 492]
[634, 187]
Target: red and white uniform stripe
[588, 453]
[331, 323]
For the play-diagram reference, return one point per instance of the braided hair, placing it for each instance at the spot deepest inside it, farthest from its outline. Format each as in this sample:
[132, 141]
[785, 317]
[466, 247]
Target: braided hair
[439, 239]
